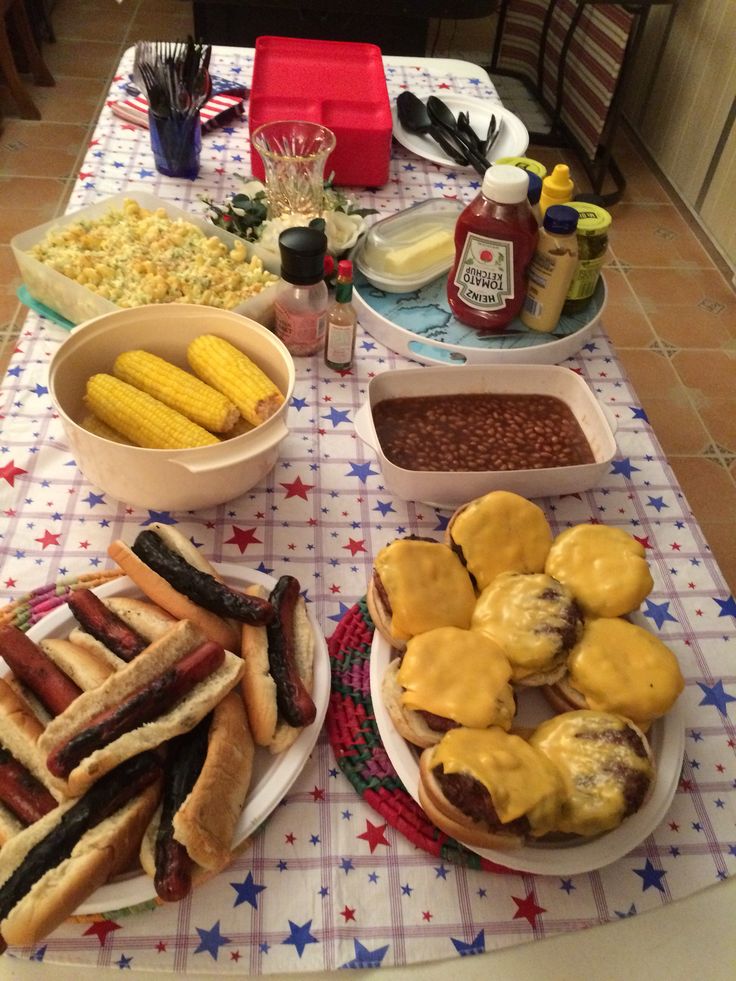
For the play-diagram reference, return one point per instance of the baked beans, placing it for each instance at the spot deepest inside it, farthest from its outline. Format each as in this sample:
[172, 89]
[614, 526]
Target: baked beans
[479, 432]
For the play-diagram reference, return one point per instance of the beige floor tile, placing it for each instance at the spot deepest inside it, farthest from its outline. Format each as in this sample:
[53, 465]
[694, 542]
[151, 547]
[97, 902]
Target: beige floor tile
[651, 374]
[88, 19]
[72, 100]
[623, 317]
[35, 193]
[708, 487]
[719, 415]
[697, 293]
[676, 423]
[654, 235]
[713, 376]
[85, 59]
[721, 536]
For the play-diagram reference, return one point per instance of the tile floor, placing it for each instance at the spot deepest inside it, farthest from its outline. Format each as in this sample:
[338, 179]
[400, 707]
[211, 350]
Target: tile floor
[671, 309]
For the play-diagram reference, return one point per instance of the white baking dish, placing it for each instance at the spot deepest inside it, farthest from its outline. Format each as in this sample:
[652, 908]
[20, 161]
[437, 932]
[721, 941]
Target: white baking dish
[449, 490]
[168, 479]
[77, 303]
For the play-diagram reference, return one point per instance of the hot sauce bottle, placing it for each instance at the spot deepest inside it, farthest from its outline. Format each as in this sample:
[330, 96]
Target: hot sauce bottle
[495, 239]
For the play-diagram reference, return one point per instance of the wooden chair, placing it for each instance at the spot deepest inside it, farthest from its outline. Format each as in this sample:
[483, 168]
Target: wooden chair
[14, 11]
[573, 56]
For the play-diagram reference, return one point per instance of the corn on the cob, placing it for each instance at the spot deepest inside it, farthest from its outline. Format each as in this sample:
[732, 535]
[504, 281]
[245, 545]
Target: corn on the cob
[231, 372]
[96, 426]
[178, 389]
[141, 418]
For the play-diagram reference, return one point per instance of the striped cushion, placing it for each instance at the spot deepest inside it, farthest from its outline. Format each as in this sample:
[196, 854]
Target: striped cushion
[594, 59]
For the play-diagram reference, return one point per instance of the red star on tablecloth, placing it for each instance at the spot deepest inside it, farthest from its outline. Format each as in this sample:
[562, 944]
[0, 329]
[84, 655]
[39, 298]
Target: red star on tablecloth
[374, 835]
[355, 546]
[317, 794]
[101, 929]
[243, 537]
[49, 538]
[160, 947]
[297, 489]
[643, 541]
[9, 472]
[348, 913]
[527, 909]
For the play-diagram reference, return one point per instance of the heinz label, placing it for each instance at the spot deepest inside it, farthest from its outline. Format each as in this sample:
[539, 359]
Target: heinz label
[485, 272]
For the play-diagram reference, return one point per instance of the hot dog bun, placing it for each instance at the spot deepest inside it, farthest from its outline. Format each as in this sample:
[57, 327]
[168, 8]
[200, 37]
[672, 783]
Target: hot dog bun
[164, 595]
[206, 831]
[106, 849]
[147, 619]
[151, 664]
[259, 687]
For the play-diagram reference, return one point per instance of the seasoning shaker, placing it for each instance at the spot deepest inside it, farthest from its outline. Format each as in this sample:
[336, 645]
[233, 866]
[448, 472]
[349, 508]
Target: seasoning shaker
[300, 307]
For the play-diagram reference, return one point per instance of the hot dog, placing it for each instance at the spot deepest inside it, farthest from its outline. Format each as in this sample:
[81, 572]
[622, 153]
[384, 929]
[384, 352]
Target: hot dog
[49, 868]
[54, 689]
[189, 838]
[170, 571]
[165, 691]
[24, 795]
[279, 665]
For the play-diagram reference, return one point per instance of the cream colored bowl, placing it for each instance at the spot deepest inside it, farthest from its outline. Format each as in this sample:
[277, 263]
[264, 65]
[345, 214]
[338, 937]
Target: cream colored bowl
[168, 479]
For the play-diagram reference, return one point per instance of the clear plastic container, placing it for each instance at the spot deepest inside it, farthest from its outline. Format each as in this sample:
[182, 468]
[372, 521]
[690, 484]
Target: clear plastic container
[409, 249]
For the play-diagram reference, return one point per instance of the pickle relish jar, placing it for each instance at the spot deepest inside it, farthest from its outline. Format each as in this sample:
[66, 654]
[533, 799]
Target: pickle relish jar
[594, 223]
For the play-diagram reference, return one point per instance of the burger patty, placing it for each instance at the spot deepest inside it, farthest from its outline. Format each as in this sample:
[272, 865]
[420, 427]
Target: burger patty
[571, 628]
[634, 784]
[472, 798]
[438, 723]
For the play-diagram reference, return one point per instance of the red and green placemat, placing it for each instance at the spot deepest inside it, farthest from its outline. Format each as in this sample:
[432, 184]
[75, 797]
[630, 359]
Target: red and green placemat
[359, 750]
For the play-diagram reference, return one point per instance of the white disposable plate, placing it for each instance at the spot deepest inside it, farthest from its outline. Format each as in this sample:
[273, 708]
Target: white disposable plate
[513, 139]
[570, 857]
[272, 775]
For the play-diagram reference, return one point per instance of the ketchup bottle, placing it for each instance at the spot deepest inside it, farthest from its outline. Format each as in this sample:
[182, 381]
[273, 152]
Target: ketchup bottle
[495, 239]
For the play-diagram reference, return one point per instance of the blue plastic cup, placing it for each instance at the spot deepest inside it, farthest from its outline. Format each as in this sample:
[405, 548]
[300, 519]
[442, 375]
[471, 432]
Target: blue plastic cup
[176, 142]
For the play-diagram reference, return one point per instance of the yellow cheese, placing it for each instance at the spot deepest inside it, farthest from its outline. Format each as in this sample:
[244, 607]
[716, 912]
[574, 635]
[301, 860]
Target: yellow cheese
[460, 675]
[501, 532]
[525, 614]
[622, 668]
[520, 779]
[604, 568]
[427, 251]
[427, 587]
[582, 746]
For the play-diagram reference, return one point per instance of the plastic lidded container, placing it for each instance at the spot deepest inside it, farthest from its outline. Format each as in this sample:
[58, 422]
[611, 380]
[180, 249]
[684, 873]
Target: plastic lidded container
[409, 249]
[525, 163]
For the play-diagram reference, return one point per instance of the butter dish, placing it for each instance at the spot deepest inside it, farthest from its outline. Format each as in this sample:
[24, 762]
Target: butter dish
[410, 248]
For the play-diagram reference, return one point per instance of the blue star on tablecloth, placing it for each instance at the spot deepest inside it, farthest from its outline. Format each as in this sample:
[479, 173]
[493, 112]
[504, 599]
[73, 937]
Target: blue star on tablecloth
[728, 607]
[40, 390]
[38, 955]
[716, 696]
[337, 617]
[638, 413]
[123, 962]
[93, 499]
[651, 877]
[299, 404]
[476, 946]
[623, 468]
[211, 940]
[625, 914]
[362, 471]
[659, 612]
[657, 503]
[336, 416]
[300, 936]
[247, 891]
[364, 957]
[162, 517]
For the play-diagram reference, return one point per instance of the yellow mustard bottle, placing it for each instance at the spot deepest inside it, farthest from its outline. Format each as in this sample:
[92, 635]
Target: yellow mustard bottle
[551, 270]
[557, 188]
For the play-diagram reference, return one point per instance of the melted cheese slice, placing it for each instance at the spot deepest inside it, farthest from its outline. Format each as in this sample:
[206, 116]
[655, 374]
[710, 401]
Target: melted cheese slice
[520, 779]
[460, 675]
[604, 568]
[427, 587]
[525, 614]
[622, 668]
[594, 763]
[501, 532]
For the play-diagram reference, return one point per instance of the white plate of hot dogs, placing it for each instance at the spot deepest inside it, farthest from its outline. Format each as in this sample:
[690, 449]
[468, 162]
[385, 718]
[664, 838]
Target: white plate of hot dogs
[272, 775]
[571, 856]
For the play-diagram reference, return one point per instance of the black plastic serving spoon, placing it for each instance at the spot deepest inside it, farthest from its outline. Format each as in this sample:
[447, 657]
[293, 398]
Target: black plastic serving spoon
[414, 117]
[442, 116]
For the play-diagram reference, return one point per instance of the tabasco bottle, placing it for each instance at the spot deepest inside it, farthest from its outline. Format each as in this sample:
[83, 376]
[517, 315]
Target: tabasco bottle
[495, 239]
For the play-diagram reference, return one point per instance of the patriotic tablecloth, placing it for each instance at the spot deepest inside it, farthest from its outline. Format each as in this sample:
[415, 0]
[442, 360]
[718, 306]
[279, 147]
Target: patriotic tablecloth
[330, 882]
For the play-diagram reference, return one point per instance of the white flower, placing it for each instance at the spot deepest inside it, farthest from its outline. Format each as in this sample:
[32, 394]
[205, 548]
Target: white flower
[342, 230]
[251, 188]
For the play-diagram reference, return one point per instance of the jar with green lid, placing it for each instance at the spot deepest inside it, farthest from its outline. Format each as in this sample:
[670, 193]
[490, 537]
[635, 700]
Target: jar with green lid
[593, 225]
[526, 163]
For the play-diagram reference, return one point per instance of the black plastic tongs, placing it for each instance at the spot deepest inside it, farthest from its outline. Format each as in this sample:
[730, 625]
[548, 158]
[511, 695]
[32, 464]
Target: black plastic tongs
[414, 117]
[462, 133]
